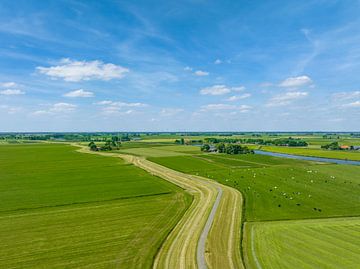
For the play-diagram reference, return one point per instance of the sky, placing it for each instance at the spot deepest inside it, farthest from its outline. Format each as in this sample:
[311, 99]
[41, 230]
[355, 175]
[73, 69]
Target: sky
[190, 65]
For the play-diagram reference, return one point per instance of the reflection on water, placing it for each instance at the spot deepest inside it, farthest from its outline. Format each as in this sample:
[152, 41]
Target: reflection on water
[307, 158]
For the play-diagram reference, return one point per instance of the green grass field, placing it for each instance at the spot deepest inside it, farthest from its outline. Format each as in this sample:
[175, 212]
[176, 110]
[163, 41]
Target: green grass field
[159, 151]
[276, 188]
[63, 209]
[326, 243]
[290, 207]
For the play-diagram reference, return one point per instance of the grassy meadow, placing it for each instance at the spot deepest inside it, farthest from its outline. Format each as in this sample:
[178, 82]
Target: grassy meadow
[61, 208]
[325, 243]
[298, 214]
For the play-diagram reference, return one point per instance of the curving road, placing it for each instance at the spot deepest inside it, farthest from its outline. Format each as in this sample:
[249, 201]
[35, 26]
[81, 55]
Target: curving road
[208, 235]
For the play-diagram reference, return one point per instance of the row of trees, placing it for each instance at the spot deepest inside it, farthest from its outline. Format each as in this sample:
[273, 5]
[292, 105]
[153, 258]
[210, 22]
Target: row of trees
[290, 142]
[228, 148]
[109, 145]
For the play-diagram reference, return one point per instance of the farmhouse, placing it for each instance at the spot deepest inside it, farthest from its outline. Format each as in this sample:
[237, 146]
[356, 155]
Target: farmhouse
[344, 147]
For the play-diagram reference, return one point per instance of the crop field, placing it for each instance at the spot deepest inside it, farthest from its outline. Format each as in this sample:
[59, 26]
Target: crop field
[61, 208]
[335, 154]
[326, 243]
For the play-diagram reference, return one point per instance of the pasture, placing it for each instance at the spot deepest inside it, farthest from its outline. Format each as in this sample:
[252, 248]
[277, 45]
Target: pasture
[61, 208]
[325, 243]
[276, 188]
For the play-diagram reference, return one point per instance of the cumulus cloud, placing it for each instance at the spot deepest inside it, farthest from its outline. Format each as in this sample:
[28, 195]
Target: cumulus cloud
[71, 70]
[201, 73]
[57, 108]
[220, 90]
[121, 104]
[188, 68]
[238, 97]
[295, 82]
[79, 93]
[112, 107]
[62, 107]
[217, 107]
[286, 98]
[11, 92]
[217, 61]
[353, 104]
[9, 84]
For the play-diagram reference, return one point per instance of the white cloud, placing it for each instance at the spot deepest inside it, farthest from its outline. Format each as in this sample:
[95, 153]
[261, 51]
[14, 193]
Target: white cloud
[217, 107]
[55, 109]
[217, 61]
[215, 90]
[220, 90]
[111, 107]
[295, 82]
[121, 104]
[188, 68]
[238, 97]
[71, 70]
[168, 112]
[8, 84]
[286, 98]
[79, 93]
[11, 92]
[346, 95]
[353, 104]
[238, 89]
[62, 107]
[201, 73]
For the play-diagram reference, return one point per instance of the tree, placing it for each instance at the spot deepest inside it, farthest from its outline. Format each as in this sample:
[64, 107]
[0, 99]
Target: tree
[220, 147]
[205, 148]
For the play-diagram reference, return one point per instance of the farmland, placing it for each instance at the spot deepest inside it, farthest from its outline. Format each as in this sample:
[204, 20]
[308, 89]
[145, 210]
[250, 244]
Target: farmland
[292, 207]
[326, 243]
[61, 208]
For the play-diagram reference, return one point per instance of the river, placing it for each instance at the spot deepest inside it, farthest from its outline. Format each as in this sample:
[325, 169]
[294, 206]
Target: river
[307, 158]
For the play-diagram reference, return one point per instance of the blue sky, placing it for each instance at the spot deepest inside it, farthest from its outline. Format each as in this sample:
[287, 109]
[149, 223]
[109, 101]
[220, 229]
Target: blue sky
[179, 65]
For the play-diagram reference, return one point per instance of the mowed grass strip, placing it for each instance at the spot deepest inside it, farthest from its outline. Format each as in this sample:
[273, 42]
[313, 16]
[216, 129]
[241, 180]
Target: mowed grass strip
[326, 243]
[64, 209]
[116, 234]
[278, 188]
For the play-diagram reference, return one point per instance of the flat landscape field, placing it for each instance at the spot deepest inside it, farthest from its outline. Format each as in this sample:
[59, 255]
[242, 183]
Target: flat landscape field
[326, 243]
[295, 211]
[277, 188]
[60, 208]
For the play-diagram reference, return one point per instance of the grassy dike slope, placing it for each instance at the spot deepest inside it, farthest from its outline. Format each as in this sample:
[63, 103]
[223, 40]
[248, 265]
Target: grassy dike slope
[63, 209]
